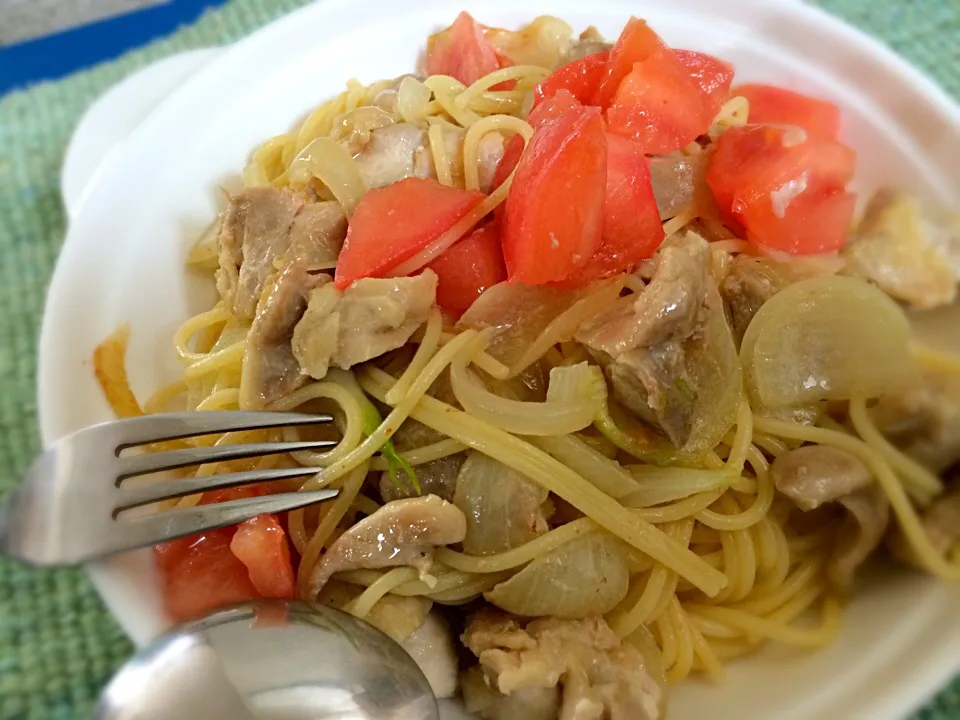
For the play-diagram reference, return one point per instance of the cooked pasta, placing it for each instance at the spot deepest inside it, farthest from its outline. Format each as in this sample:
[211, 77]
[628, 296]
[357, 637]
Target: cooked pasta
[620, 447]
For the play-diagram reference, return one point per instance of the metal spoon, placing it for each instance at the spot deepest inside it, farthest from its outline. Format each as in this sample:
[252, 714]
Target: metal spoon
[270, 659]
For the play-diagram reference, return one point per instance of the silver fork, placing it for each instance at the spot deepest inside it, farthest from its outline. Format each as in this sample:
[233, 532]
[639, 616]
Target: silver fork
[67, 508]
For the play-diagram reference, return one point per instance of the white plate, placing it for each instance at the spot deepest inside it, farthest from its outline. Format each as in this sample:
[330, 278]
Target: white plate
[101, 131]
[123, 262]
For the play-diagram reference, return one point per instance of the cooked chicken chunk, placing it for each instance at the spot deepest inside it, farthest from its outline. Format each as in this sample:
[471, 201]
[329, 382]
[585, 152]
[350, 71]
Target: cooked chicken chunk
[431, 647]
[485, 702]
[669, 308]
[394, 615]
[814, 475]
[749, 283]
[646, 341]
[910, 248]
[676, 181]
[270, 370]
[600, 675]
[393, 153]
[402, 532]
[259, 227]
[590, 42]
[437, 477]
[364, 321]
[924, 421]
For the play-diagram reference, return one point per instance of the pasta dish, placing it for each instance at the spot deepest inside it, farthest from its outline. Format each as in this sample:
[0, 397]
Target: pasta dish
[623, 384]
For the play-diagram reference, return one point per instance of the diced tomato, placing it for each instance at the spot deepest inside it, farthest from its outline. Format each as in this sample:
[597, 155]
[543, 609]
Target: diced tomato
[200, 573]
[659, 105]
[776, 105]
[789, 196]
[712, 75]
[261, 545]
[552, 108]
[581, 78]
[468, 268]
[650, 94]
[636, 44]
[632, 230]
[394, 223]
[462, 52]
[554, 211]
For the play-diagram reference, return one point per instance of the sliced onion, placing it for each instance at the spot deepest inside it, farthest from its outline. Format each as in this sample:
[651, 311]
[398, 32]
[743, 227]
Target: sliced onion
[530, 319]
[586, 576]
[525, 418]
[713, 365]
[826, 338]
[605, 473]
[656, 485]
[503, 508]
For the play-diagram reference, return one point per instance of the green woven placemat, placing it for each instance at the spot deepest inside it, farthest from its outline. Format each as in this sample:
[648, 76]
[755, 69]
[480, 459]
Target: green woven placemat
[58, 645]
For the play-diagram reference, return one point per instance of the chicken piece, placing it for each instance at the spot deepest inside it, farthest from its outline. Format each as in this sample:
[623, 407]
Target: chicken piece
[600, 675]
[393, 153]
[316, 236]
[646, 342]
[654, 384]
[369, 318]
[402, 532]
[265, 228]
[910, 248]
[818, 474]
[431, 647]
[254, 229]
[437, 477]
[485, 702]
[669, 308]
[749, 283]
[393, 615]
[590, 42]
[270, 370]
[924, 421]
[815, 475]
[940, 521]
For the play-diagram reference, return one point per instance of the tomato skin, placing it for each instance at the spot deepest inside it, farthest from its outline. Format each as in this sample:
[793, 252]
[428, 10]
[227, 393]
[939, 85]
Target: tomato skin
[632, 230]
[199, 573]
[711, 75]
[261, 545]
[776, 105]
[468, 268]
[546, 234]
[637, 43]
[581, 78]
[788, 196]
[462, 52]
[394, 223]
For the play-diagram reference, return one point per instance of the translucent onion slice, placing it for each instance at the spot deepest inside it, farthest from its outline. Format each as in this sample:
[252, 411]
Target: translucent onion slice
[656, 485]
[826, 338]
[502, 507]
[571, 409]
[587, 576]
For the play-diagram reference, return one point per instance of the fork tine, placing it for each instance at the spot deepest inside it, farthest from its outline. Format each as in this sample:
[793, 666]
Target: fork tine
[131, 497]
[172, 524]
[171, 426]
[173, 459]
